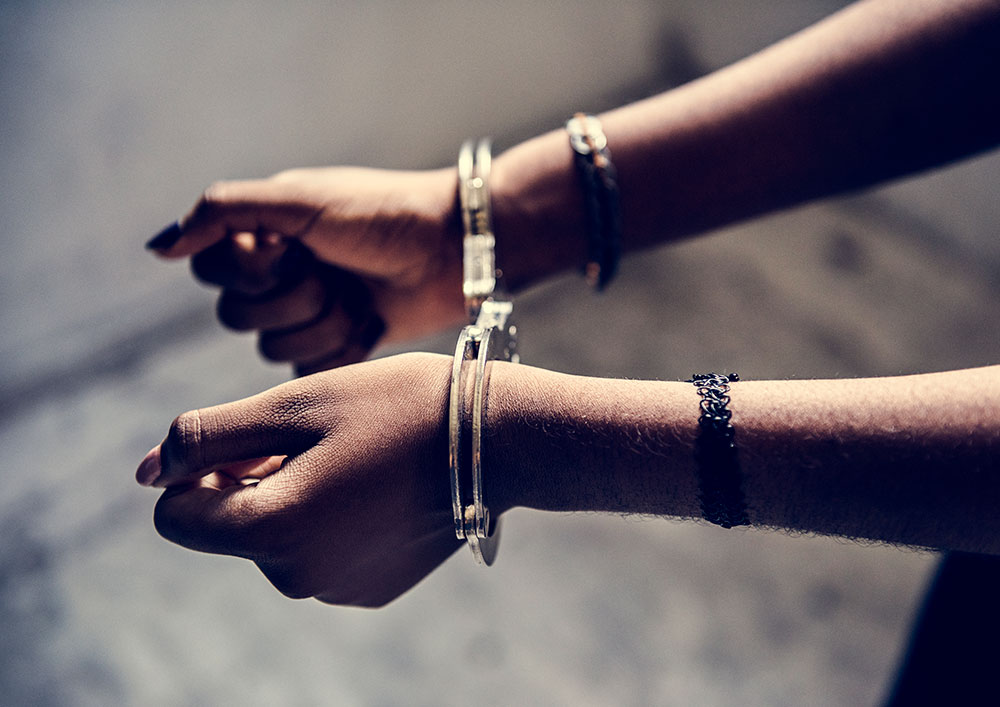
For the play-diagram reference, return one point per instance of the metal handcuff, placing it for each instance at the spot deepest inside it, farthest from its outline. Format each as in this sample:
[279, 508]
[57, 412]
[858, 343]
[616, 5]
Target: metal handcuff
[489, 336]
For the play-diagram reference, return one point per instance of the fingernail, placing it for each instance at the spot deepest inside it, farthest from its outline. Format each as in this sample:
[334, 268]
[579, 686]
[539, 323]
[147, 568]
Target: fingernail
[166, 238]
[149, 468]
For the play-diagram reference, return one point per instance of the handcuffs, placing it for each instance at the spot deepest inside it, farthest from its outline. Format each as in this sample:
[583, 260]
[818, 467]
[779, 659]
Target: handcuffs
[489, 336]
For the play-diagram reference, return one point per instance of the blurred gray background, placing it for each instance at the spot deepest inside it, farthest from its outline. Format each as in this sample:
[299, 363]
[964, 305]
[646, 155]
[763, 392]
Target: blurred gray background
[117, 115]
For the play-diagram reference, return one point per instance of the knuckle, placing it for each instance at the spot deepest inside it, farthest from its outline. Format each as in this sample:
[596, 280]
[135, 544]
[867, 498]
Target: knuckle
[375, 602]
[203, 270]
[293, 590]
[288, 578]
[214, 196]
[233, 314]
[348, 593]
[272, 347]
[288, 175]
[183, 440]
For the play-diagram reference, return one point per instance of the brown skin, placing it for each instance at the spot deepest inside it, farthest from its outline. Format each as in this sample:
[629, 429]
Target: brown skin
[391, 237]
[352, 506]
[881, 89]
[346, 509]
[911, 459]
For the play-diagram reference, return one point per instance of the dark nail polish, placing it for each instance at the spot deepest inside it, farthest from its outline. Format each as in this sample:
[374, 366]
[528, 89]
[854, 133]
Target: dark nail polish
[165, 238]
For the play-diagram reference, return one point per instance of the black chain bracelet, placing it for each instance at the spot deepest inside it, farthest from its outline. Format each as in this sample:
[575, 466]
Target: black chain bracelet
[719, 478]
[601, 198]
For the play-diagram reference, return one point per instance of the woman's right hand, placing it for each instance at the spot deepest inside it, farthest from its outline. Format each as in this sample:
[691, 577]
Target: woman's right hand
[335, 485]
[325, 262]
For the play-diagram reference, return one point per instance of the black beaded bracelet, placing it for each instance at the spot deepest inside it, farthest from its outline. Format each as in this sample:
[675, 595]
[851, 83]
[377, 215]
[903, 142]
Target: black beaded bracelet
[719, 478]
[601, 198]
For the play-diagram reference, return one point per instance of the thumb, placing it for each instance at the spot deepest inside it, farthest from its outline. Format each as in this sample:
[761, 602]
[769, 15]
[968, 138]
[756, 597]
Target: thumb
[229, 207]
[203, 441]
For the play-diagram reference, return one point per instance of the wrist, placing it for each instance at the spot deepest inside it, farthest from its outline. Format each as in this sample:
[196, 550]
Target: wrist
[447, 221]
[538, 210]
[572, 443]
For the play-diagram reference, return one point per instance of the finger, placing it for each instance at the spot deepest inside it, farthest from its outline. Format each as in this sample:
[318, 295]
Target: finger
[279, 422]
[252, 264]
[256, 256]
[212, 514]
[322, 337]
[253, 206]
[281, 308]
[200, 517]
[355, 351]
[227, 264]
[247, 472]
[352, 293]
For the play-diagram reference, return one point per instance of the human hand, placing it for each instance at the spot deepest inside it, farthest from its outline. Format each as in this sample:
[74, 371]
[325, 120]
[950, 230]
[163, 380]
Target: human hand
[325, 262]
[335, 485]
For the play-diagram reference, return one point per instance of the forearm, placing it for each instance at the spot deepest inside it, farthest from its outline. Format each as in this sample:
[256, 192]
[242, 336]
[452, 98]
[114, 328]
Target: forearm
[913, 460]
[881, 89]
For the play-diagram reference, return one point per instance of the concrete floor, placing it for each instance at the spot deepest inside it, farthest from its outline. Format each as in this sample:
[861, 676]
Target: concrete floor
[115, 117]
